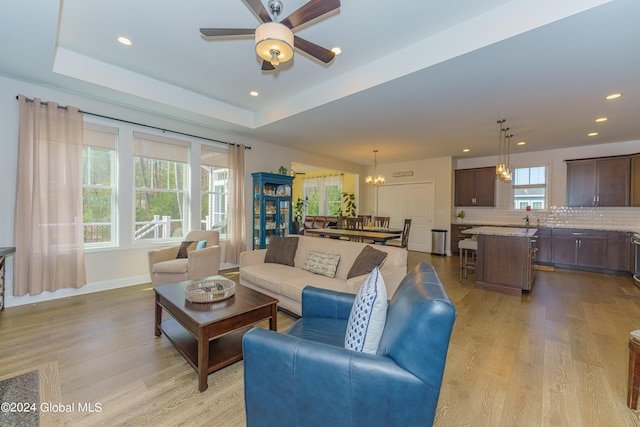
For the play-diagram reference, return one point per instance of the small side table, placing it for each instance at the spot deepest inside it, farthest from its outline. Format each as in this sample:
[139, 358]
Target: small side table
[634, 370]
[4, 253]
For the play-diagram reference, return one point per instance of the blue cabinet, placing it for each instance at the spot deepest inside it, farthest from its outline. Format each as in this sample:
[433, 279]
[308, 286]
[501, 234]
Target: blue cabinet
[271, 207]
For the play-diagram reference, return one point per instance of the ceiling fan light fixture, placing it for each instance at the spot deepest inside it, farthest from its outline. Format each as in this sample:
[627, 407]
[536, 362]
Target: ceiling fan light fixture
[274, 42]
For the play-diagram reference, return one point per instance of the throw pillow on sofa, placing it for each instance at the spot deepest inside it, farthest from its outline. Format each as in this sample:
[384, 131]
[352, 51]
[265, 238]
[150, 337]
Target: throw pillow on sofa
[368, 259]
[321, 263]
[185, 248]
[368, 315]
[281, 250]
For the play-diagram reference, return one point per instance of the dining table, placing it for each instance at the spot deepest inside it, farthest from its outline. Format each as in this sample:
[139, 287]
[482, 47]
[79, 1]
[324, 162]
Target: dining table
[376, 235]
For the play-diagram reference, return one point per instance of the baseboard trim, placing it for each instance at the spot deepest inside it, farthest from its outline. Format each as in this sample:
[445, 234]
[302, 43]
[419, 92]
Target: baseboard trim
[89, 288]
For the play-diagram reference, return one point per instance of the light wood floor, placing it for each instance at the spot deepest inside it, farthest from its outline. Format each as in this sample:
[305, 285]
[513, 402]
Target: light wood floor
[556, 357]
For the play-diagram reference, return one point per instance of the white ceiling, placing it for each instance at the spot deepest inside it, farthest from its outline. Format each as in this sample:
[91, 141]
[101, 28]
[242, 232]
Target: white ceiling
[417, 79]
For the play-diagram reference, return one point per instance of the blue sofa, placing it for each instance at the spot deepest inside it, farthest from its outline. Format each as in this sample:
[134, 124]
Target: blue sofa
[307, 378]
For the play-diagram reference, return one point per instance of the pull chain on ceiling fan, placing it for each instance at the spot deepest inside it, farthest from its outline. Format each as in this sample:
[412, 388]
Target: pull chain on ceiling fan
[275, 41]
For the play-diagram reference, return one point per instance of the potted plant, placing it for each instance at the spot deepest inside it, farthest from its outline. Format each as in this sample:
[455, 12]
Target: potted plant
[349, 201]
[298, 213]
[460, 216]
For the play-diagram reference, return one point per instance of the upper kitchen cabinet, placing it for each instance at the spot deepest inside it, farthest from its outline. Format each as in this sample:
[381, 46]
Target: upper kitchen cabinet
[635, 180]
[598, 182]
[475, 187]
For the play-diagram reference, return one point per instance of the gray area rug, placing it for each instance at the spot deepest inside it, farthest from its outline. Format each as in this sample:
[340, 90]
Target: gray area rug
[20, 400]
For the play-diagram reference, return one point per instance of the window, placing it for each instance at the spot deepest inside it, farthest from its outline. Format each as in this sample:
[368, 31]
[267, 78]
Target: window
[312, 196]
[334, 199]
[161, 175]
[98, 185]
[530, 188]
[323, 195]
[214, 180]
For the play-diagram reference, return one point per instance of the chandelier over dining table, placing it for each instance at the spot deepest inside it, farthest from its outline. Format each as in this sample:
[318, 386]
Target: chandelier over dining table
[375, 179]
[503, 168]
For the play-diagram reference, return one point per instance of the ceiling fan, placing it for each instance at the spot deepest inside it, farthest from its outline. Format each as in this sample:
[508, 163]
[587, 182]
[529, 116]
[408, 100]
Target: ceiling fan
[275, 41]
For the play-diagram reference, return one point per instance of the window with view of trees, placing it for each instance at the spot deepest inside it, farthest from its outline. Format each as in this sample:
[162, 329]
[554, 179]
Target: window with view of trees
[138, 186]
[312, 195]
[98, 184]
[323, 195]
[161, 183]
[214, 184]
[529, 188]
[334, 199]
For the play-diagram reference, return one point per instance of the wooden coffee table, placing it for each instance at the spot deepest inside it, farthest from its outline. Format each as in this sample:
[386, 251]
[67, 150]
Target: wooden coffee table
[209, 335]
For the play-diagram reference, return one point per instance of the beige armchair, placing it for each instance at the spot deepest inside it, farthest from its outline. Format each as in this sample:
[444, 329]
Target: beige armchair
[165, 268]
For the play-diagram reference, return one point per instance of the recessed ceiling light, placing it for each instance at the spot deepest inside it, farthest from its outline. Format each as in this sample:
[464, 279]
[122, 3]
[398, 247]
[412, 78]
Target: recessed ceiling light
[592, 134]
[522, 143]
[254, 93]
[466, 150]
[601, 119]
[125, 41]
[614, 96]
[336, 50]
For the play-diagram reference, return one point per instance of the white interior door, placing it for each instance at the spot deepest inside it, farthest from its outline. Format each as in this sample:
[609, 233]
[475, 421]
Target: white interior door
[415, 201]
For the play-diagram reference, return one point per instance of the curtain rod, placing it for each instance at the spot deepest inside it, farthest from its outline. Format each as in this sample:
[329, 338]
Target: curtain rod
[142, 124]
[322, 176]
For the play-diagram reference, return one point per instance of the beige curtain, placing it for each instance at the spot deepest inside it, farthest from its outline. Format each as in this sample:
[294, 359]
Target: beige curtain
[48, 216]
[236, 230]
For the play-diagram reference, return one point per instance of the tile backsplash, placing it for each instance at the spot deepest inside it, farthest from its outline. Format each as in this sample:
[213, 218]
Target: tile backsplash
[622, 219]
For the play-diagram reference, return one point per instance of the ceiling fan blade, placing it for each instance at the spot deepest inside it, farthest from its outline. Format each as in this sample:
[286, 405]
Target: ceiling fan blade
[266, 66]
[309, 11]
[217, 32]
[258, 9]
[318, 52]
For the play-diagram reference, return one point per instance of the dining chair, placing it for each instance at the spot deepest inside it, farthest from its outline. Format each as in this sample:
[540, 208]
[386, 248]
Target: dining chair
[355, 224]
[404, 238]
[381, 221]
[365, 218]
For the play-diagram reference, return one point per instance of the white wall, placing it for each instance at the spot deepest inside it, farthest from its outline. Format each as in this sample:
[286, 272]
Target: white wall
[126, 265]
[439, 170]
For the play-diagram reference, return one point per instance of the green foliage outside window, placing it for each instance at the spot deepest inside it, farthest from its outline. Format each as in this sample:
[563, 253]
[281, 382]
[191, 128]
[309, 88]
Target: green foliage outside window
[334, 200]
[313, 201]
[160, 190]
[97, 193]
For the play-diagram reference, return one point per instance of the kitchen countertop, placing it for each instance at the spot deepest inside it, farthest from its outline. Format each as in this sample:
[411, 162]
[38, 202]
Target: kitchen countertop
[620, 229]
[502, 231]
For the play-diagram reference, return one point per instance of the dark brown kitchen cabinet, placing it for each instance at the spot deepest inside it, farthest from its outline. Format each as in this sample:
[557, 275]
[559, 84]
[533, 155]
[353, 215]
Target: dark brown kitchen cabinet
[543, 237]
[505, 263]
[618, 244]
[584, 248]
[599, 182]
[635, 180]
[475, 187]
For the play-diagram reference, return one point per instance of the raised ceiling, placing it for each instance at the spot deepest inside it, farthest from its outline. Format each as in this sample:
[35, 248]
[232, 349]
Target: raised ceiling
[416, 79]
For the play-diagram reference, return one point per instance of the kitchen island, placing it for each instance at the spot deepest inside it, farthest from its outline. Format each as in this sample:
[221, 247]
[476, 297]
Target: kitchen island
[505, 258]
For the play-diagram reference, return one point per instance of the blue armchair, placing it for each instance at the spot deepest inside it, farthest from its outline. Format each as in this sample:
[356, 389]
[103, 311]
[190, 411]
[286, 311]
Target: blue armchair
[307, 378]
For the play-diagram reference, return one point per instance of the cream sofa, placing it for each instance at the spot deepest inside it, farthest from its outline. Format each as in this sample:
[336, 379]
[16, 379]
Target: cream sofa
[286, 283]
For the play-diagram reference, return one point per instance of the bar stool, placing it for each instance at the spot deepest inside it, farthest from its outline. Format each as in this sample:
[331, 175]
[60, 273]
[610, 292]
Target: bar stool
[468, 253]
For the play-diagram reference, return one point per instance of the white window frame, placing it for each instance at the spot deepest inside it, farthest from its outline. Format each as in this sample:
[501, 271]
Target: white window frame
[106, 138]
[320, 183]
[214, 162]
[163, 149]
[124, 181]
[545, 186]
